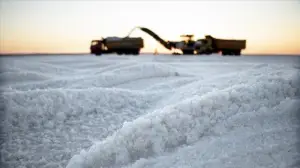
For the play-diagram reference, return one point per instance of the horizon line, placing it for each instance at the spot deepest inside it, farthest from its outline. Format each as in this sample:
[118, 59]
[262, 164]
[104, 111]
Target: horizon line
[142, 53]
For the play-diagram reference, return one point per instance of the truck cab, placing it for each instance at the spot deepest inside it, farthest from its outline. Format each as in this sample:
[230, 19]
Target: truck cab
[97, 47]
[188, 47]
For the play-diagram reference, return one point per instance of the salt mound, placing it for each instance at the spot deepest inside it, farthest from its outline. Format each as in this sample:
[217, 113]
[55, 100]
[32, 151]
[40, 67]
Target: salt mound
[180, 124]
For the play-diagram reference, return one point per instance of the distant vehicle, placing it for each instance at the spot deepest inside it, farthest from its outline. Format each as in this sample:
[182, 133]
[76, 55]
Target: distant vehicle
[126, 45]
[208, 45]
[133, 45]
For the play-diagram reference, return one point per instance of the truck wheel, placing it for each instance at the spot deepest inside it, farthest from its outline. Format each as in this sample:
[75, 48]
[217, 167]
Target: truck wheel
[201, 52]
[131, 52]
[136, 52]
[98, 53]
[188, 52]
[208, 52]
[224, 53]
[127, 52]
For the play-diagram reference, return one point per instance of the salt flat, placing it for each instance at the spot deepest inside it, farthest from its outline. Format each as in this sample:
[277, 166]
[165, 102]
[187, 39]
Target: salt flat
[112, 111]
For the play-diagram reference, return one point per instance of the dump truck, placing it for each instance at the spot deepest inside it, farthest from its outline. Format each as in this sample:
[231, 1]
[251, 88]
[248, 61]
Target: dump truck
[118, 45]
[208, 45]
[211, 45]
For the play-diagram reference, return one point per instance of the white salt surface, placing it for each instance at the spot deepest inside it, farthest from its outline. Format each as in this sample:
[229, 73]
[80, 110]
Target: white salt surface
[149, 111]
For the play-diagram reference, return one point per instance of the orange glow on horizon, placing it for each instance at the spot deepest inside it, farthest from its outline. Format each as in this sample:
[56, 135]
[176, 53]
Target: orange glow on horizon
[69, 27]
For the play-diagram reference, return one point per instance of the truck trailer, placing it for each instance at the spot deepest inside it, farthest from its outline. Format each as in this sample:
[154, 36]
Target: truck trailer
[211, 45]
[126, 45]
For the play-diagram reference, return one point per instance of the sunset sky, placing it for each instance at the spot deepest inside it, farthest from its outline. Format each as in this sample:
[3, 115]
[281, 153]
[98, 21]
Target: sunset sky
[32, 26]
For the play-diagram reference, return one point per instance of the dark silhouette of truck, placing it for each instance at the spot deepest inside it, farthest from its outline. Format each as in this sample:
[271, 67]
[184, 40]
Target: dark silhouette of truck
[127, 45]
[133, 45]
[209, 45]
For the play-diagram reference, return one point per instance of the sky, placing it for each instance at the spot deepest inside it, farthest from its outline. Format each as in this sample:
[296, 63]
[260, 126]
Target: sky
[32, 26]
